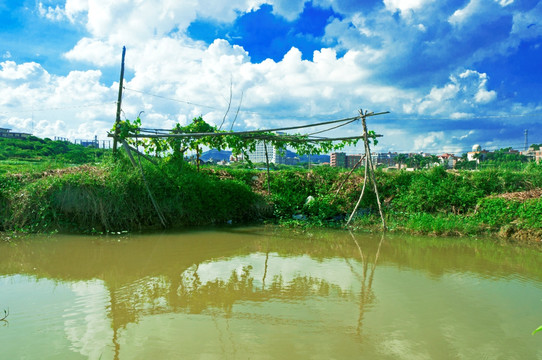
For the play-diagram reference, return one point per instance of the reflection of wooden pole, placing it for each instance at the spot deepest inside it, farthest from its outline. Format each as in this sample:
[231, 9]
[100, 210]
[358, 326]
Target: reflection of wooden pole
[265, 269]
[366, 288]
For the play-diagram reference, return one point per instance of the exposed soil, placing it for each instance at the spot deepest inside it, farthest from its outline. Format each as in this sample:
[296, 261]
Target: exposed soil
[521, 195]
[100, 171]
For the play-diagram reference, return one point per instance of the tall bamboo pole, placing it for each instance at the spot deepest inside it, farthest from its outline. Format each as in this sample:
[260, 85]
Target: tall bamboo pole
[267, 163]
[119, 102]
[369, 172]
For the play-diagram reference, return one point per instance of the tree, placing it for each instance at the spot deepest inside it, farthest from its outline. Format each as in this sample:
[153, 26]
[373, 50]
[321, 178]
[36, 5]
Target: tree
[401, 159]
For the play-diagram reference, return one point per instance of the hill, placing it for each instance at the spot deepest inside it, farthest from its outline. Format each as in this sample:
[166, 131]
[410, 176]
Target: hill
[34, 148]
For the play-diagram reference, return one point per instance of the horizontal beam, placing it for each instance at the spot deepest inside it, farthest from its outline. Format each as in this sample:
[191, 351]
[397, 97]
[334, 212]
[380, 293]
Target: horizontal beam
[263, 137]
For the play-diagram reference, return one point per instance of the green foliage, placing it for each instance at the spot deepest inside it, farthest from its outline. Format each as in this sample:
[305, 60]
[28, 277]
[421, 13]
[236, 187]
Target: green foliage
[238, 143]
[436, 190]
[47, 149]
[113, 197]
[497, 212]
[440, 224]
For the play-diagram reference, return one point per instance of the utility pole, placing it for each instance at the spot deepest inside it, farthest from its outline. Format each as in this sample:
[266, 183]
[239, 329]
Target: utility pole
[119, 102]
[526, 139]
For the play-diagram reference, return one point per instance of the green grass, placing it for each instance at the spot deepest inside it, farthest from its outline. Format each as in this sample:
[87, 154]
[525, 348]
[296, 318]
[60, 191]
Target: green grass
[112, 196]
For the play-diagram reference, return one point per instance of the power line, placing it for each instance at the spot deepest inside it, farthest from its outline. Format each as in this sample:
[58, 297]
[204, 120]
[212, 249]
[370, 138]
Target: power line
[268, 115]
[176, 100]
[500, 116]
[31, 110]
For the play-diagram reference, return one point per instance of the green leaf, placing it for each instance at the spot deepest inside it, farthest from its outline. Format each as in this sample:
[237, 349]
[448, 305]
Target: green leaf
[538, 329]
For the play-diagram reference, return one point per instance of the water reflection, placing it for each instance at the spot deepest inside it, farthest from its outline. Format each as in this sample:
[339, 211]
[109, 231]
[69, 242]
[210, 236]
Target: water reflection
[259, 293]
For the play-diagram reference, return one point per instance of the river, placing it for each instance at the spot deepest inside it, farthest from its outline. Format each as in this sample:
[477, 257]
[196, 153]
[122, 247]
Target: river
[268, 293]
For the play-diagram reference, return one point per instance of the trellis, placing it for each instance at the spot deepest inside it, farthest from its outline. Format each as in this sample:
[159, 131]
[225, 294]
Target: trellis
[265, 136]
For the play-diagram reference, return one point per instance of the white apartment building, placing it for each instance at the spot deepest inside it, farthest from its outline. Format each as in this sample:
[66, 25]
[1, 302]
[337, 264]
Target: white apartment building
[275, 155]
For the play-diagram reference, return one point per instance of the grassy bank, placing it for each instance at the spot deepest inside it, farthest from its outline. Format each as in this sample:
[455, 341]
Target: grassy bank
[499, 202]
[113, 196]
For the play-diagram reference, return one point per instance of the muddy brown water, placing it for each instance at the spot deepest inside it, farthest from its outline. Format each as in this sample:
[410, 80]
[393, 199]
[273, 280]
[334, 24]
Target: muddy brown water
[268, 293]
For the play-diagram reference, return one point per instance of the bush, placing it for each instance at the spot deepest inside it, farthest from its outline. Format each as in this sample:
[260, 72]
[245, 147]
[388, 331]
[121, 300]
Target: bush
[114, 197]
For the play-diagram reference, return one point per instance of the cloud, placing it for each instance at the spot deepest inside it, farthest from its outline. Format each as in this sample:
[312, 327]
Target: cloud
[93, 51]
[463, 137]
[405, 5]
[50, 13]
[431, 140]
[289, 9]
[32, 100]
[460, 16]
[465, 93]
[420, 58]
[482, 95]
[27, 72]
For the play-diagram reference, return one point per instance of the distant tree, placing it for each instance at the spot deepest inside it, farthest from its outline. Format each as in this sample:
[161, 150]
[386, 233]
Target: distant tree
[435, 159]
[401, 158]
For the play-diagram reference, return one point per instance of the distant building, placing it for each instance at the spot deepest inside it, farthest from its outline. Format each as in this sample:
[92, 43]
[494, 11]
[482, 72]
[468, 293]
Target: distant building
[387, 159]
[352, 160]
[448, 160]
[89, 143]
[340, 159]
[6, 133]
[473, 155]
[337, 159]
[273, 154]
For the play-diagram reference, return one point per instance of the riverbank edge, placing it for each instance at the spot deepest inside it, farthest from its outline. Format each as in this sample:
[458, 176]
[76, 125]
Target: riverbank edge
[75, 200]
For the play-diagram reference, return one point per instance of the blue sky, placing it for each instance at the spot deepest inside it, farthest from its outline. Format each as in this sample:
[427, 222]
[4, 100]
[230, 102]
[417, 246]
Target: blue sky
[451, 73]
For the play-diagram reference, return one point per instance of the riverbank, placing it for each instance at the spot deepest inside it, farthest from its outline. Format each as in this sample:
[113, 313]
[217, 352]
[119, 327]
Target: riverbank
[114, 196]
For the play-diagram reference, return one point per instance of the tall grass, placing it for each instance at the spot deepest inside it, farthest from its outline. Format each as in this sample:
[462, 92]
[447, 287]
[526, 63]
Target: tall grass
[113, 197]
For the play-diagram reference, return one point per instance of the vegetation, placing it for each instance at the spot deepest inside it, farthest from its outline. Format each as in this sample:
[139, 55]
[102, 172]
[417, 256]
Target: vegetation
[239, 143]
[114, 196]
[34, 148]
[502, 159]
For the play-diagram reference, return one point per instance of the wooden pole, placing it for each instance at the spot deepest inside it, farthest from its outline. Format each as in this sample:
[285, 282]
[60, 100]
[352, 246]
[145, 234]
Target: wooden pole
[197, 157]
[267, 162]
[346, 178]
[362, 192]
[369, 172]
[371, 169]
[119, 101]
[154, 203]
[127, 148]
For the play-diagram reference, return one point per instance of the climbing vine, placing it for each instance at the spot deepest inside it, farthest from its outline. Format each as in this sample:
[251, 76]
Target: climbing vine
[239, 143]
